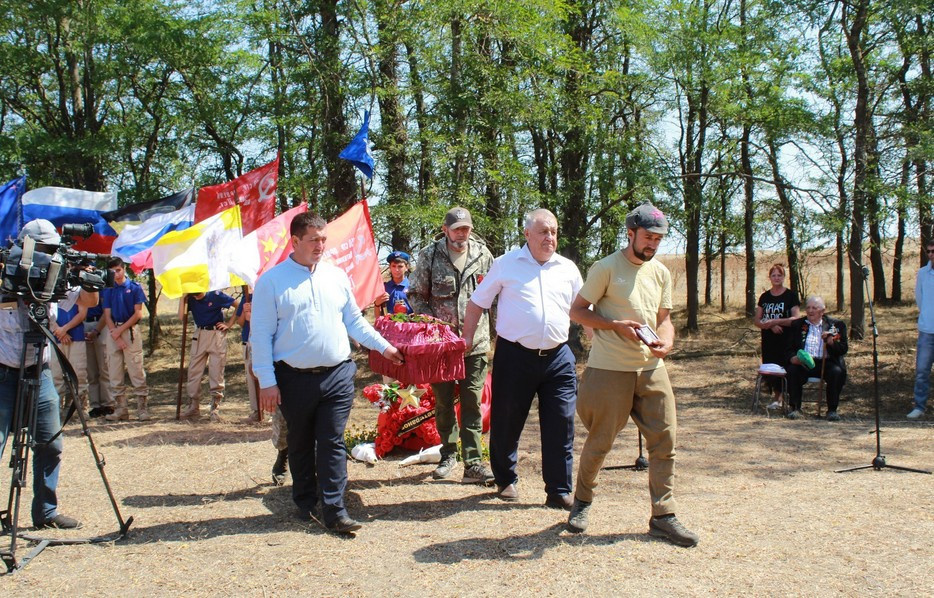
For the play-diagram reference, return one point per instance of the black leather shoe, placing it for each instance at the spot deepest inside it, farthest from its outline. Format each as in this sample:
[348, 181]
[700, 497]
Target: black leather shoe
[344, 525]
[96, 412]
[559, 501]
[61, 522]
[508, 493]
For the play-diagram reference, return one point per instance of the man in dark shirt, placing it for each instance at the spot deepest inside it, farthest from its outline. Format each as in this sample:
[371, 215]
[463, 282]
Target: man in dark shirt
[208, 348]
[123, 309]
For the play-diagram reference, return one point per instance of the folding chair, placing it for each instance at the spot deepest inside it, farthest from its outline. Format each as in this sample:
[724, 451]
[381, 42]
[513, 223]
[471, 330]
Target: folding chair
[757, 402]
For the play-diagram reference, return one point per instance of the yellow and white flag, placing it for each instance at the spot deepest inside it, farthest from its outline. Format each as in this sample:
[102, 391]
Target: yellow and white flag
[195, 260]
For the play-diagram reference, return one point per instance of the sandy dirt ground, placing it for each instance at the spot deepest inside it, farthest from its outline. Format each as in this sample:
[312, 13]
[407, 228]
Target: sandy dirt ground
[773, 516]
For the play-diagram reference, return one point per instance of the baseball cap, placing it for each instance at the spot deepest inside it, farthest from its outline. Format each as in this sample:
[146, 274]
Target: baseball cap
[398, 255]
[41, 231]
[648, 217]
[457, 218]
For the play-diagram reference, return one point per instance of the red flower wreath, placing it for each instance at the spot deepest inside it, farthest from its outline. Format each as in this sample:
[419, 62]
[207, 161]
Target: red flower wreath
[392, 417]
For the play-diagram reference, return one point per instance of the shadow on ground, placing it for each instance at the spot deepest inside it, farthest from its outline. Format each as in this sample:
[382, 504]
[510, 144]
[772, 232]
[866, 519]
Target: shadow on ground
[515, 548]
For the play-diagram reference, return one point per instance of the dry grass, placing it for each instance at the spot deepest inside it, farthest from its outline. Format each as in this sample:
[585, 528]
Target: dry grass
[773, 517]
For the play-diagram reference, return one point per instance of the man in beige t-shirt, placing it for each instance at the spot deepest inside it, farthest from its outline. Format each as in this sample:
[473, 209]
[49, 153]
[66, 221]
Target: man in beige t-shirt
[625, 373]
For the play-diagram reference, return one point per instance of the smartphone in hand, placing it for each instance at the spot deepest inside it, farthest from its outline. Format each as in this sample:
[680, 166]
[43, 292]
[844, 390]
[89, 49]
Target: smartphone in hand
[647, 335]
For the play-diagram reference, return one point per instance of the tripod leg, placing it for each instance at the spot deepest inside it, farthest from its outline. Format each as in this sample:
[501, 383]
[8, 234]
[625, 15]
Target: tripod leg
[99, 461]
[71, 379]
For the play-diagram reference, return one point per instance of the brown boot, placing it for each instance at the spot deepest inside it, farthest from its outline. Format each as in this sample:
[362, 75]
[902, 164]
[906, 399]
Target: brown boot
[142, 409]
[215, 405]
[121, 413]
[193, 410]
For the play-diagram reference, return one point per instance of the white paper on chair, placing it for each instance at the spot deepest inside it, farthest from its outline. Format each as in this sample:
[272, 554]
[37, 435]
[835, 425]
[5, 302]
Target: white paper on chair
[428, 455]
[771, 368]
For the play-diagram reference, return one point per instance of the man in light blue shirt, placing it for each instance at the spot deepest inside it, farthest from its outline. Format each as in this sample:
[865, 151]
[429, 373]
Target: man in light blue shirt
[303, 310]
[924, 297]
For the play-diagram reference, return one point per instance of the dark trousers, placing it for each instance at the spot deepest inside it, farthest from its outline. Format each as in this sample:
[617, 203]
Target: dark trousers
[834, 378]
[471, 429]
[316, 408]
[46, 457]
[517, 376]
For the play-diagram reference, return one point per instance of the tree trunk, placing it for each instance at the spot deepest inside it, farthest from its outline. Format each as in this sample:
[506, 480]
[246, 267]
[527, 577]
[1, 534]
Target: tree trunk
[723, 218]
[393, 135]
[708, 267]
[155, 329]
[748, 196]
[840, 250]
[900, 242]
[787, 211]
[421, 121]
[864, 160]
[748, 220]
[575, 154]
[341, 186]
[458, 108]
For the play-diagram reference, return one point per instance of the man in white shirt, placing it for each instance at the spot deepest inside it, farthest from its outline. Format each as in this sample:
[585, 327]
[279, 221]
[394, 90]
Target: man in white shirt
[535, 287]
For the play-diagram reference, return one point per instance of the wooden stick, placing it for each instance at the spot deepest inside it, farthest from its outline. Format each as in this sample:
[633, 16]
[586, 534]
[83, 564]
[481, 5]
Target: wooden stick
[181, 365]
[820, 387]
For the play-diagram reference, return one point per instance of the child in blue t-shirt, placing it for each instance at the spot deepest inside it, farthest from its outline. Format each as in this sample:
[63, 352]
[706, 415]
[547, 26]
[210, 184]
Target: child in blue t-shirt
[208, 348]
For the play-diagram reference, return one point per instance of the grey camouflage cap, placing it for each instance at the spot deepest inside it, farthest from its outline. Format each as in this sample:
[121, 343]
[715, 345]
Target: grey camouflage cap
[648, 217]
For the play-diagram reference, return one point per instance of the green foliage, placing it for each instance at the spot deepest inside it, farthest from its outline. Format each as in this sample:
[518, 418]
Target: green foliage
[585, 107]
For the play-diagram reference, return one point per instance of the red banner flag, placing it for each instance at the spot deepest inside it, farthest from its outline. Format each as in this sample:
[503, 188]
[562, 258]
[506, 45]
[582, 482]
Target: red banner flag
[352, 247]
[255, 191]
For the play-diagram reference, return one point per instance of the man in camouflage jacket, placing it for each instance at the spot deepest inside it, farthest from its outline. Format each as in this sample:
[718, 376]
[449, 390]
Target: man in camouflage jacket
[447, 272]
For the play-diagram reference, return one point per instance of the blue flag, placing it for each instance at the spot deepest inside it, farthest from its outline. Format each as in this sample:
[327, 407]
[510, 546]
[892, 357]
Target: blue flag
[11, 209]
[357, 151]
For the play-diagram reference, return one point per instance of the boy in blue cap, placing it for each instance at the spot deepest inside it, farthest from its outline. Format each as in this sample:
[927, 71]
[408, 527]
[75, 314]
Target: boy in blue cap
[396, 298]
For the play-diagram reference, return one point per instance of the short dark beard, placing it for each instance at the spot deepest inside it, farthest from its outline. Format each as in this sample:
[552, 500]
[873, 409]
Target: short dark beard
[641, 255]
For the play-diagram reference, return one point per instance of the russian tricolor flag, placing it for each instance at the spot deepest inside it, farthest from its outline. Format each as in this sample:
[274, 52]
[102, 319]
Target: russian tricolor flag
[74, 206]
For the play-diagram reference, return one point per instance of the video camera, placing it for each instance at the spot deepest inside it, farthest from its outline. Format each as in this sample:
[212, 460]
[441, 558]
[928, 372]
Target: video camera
[44, 272]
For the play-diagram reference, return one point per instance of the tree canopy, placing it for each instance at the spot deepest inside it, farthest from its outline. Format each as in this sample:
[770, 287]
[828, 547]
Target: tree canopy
[752, 123]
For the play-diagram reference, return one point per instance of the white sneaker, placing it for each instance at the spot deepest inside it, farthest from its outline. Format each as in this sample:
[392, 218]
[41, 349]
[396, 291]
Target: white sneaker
[774, 405]
[915, 414]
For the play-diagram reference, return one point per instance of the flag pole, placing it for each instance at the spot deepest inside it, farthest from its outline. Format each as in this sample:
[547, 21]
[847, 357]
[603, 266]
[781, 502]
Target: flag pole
[181, 364]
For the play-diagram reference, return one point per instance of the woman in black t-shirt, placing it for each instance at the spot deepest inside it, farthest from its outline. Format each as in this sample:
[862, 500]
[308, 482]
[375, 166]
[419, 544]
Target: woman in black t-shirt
[776, 309]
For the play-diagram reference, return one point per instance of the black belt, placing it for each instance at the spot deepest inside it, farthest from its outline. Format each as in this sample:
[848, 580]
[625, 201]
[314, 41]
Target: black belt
[318, 370]
[211, 327]
[91, 320]
[538, 352]
[30, 370]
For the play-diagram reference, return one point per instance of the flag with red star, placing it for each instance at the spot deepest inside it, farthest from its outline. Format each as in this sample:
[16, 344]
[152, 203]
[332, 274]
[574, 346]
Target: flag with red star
[264, 247]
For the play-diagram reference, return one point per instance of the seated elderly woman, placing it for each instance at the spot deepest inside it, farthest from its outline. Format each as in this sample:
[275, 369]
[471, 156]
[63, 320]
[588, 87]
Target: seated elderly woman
[818, 344]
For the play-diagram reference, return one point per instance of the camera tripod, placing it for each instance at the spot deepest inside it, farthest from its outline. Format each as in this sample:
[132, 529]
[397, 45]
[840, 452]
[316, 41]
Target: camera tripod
[23, 433]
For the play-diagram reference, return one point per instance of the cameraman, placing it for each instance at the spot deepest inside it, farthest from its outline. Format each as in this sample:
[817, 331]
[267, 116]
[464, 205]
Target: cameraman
[47, 456]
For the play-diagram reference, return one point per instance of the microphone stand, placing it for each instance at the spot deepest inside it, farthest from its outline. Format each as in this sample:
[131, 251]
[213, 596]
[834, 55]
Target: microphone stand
[878, 463]
[641, 463]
